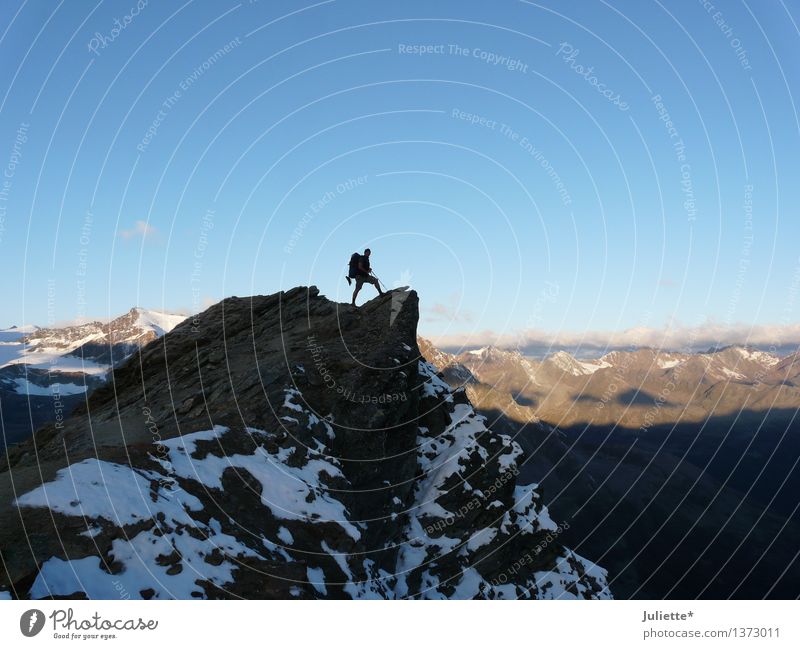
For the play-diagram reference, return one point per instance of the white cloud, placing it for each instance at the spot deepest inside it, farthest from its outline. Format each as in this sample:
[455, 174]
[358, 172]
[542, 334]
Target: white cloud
[441, 311]
[695, 338]
[139, 229]
[452, 311]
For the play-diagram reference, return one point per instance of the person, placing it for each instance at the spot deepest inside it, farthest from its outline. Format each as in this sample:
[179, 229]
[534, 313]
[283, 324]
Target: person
[364, 275]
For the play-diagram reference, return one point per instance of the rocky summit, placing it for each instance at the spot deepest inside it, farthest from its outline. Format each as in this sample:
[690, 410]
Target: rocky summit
[281, 446]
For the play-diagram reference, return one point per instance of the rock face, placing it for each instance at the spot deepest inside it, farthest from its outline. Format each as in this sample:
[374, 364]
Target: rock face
[281, 446]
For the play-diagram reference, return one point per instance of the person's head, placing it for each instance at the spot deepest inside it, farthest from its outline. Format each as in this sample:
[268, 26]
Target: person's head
[367, 252]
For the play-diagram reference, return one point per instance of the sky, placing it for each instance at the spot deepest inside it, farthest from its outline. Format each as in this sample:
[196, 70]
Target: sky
[532, 169]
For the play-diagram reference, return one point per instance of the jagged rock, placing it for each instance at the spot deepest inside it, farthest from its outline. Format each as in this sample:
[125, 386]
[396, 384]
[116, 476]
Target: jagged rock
[281, 446]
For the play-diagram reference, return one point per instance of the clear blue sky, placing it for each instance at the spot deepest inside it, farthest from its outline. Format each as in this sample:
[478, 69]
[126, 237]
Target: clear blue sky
[580, 190]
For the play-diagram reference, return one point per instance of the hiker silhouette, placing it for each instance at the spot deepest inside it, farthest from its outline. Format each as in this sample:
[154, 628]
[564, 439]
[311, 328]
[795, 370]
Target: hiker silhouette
[361, 271]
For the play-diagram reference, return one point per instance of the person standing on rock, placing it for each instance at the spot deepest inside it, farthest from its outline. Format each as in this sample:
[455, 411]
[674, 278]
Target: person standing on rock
[363, 273]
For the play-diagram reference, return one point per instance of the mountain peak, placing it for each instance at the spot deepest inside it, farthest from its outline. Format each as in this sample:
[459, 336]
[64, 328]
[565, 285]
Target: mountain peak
[287, 446]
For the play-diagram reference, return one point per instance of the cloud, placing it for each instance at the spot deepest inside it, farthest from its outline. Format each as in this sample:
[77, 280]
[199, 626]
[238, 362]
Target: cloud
[450, 312]
[140, 229]
[780, 338]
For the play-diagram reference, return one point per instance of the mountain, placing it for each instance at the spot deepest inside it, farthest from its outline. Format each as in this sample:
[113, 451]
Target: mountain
[45, 372]
[639, 388]
[677, 472]
[281, 446]
[483, 395]
[96, 343]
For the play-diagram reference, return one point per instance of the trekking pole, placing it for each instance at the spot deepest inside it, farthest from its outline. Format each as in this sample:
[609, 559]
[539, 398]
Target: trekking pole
[379, 281]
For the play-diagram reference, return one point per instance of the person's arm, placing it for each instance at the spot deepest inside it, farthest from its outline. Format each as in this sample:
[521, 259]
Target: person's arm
[362, 268]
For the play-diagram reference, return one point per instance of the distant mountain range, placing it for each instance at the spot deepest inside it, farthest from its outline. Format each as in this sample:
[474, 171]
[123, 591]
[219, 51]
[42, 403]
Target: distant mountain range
[631, 389]
[676, 472]
[45, 372]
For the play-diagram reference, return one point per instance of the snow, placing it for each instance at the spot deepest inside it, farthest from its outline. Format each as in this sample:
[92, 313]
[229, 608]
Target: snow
[731, 374]
[295, 486]
[758, 356]
[480, 538]
[440, 458]
[9, 332]
[96, 489]
[590, 367]
[158, 321]
[51, 348]
[53, 358]
[341, 561]
[478, 352]
[121, 495]
[433, 385]
[316, 578]
[286, 490]
[469, 584]
[92, 531]
[557, 583]
[285, 536]
[568, 363]
[444, 461]
[563, 361]
[67, 364]
[458, 441]
[508, 460]
[288, 403]
[26, 387]
[142, 570]
[523, 505]
[666, 364]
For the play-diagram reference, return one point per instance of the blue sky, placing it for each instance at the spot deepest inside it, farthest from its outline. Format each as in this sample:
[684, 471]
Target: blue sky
[507, 159]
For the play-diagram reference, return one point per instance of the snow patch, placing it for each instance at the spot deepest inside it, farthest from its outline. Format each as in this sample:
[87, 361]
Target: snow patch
[26, 387]
[285, 536]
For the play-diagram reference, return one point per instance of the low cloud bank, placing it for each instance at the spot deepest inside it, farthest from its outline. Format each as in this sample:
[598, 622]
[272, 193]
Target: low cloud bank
[778, 339]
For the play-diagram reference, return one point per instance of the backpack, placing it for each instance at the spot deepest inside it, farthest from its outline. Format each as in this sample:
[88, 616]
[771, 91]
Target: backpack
[353, 269]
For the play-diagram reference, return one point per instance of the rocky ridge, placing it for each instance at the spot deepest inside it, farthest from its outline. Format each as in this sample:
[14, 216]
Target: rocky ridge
[281, 446]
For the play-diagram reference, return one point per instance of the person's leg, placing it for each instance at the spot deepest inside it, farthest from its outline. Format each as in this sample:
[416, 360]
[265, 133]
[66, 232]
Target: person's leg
[359, 284]
[374, 281]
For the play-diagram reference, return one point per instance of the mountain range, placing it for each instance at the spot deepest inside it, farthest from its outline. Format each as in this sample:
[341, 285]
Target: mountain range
[45, 372]
[677, 472]
[632, 389]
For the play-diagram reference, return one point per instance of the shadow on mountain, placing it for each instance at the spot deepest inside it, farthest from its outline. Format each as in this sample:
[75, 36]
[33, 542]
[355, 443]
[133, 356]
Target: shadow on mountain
[104, 353]
[524, 401]
[635, 397]
[32, 397]
[689, 510]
